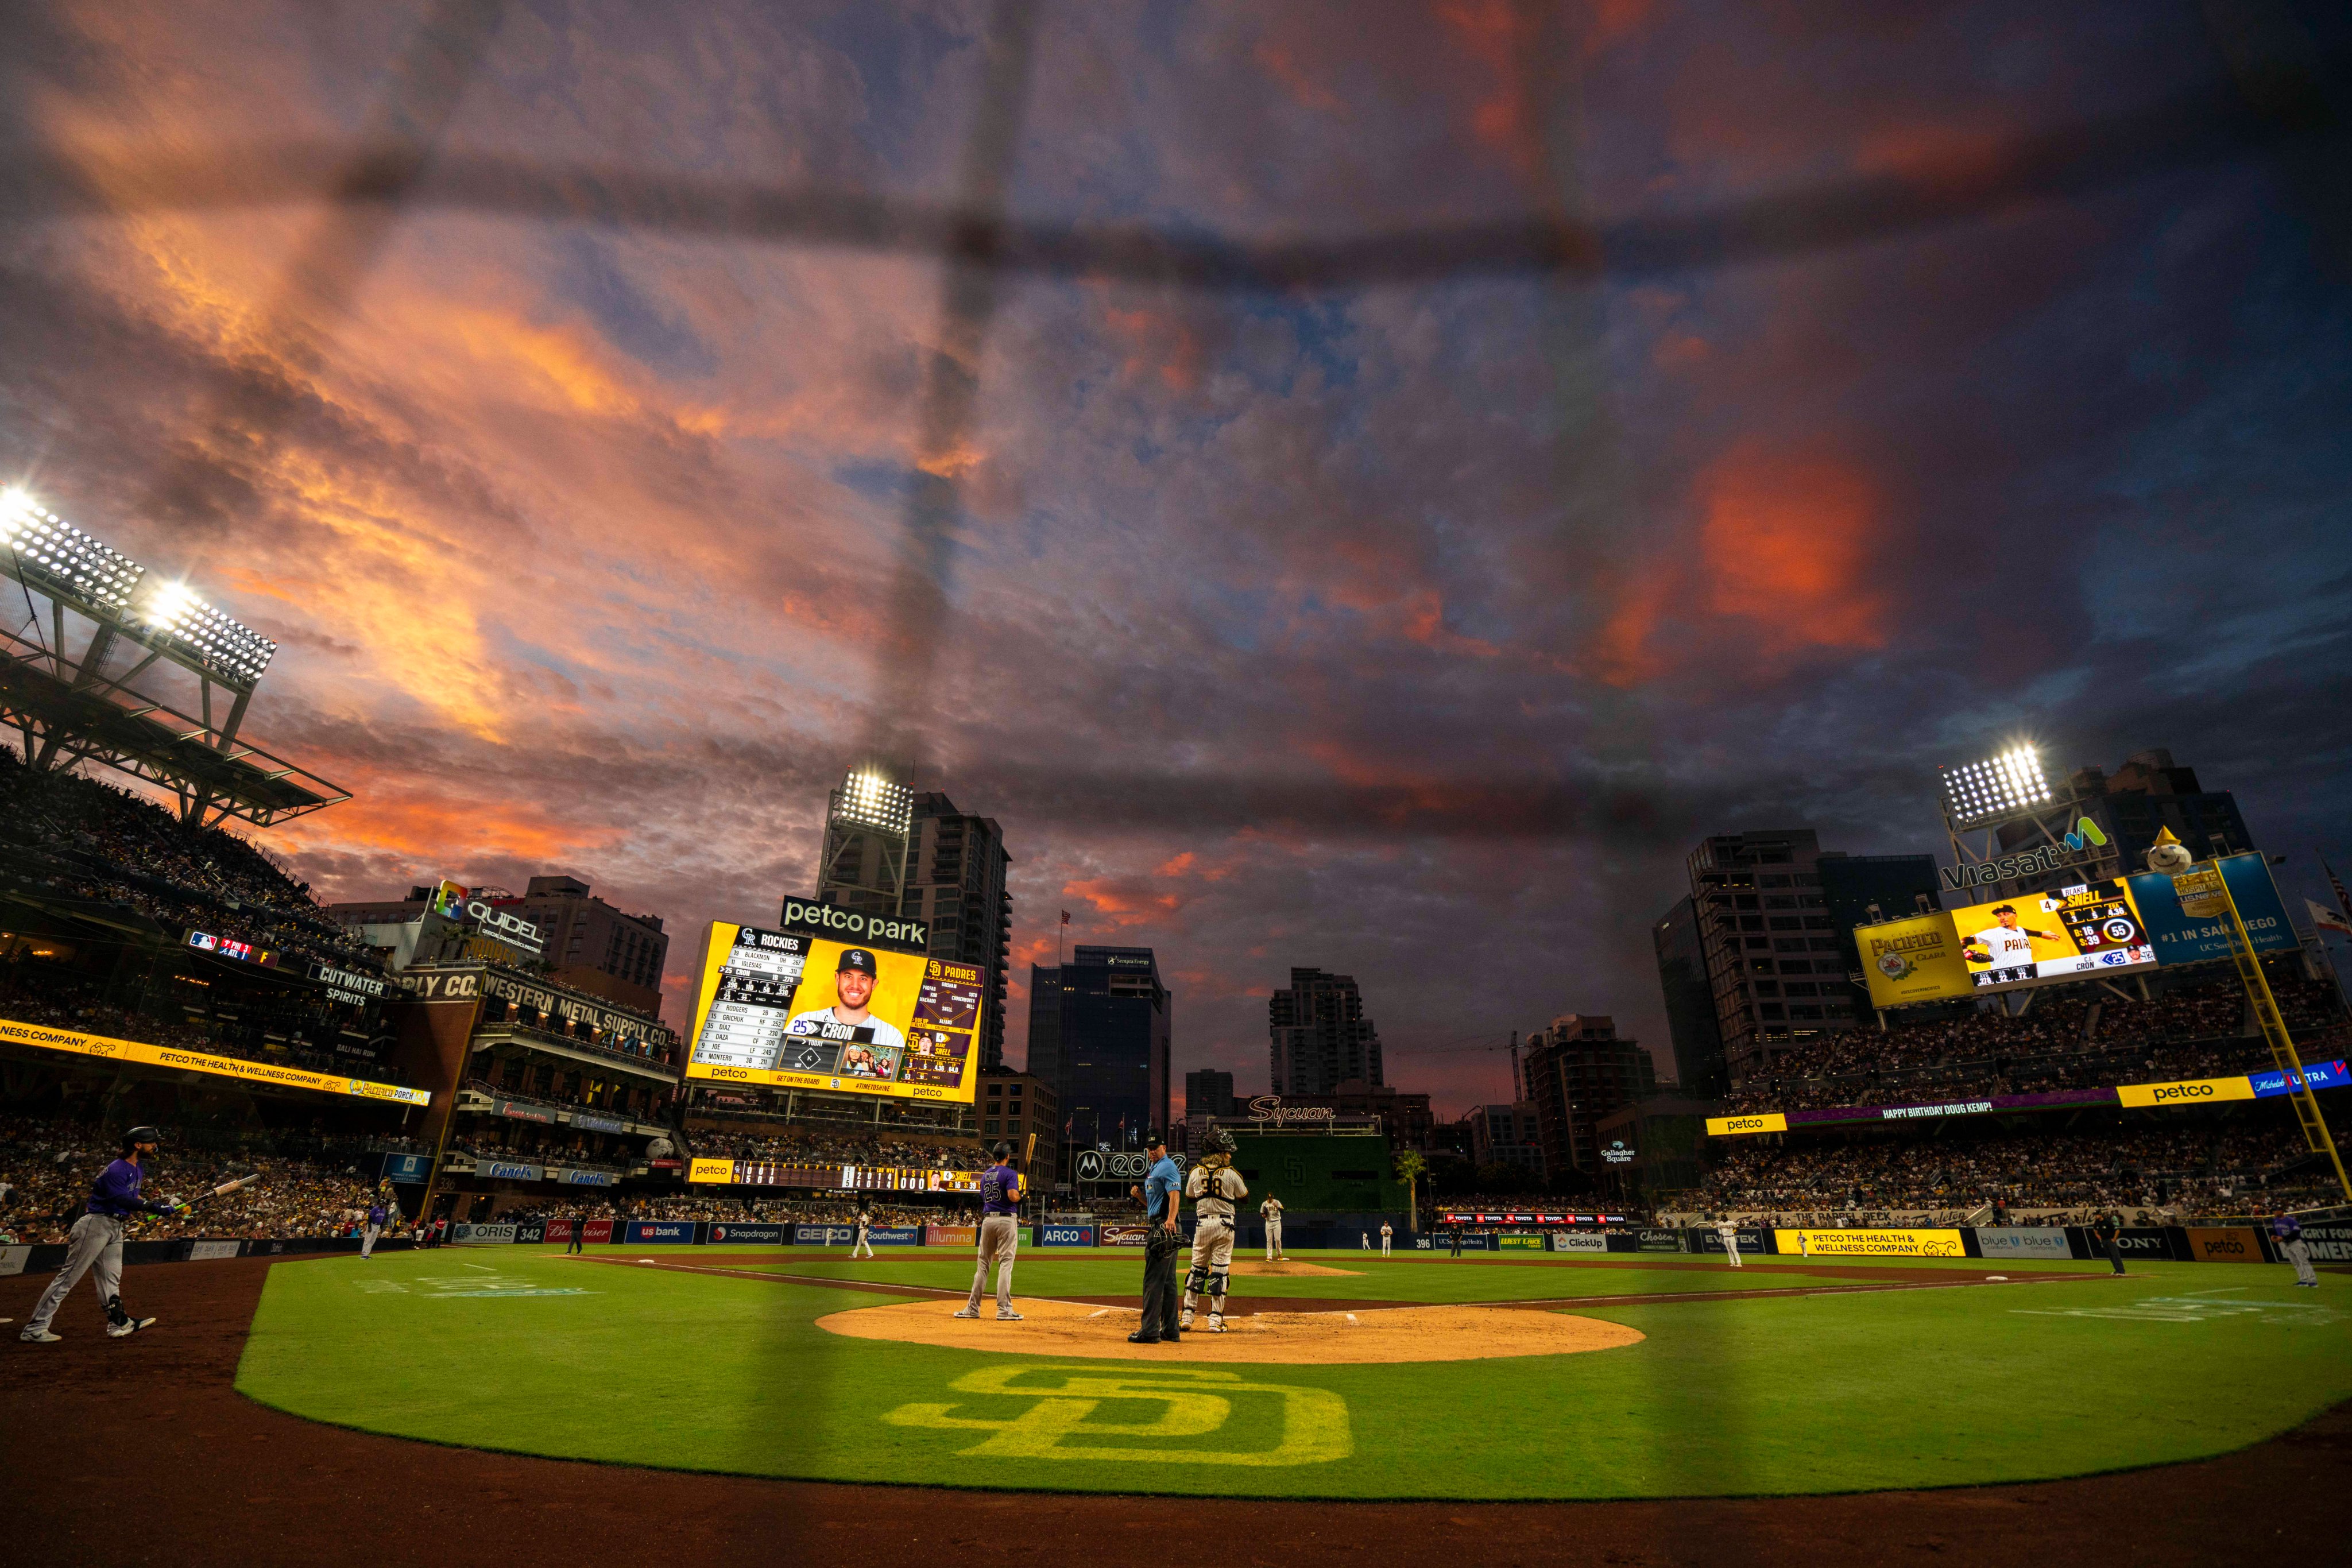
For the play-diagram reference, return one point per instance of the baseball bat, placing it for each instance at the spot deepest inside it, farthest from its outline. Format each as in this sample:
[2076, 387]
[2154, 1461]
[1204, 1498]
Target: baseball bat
[1029, 1155]
[239, 1185]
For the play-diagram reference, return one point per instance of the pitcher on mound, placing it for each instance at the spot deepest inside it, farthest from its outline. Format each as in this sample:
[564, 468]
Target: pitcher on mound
[1212, 1186]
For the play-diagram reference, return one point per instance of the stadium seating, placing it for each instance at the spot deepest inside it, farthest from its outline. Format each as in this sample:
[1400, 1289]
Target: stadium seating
[89, 841]
[309, 1187]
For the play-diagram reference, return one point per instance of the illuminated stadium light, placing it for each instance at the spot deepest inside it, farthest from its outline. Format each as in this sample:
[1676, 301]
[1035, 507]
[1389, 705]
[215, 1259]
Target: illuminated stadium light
[871, 799]
[1999, 787]
[55, 557]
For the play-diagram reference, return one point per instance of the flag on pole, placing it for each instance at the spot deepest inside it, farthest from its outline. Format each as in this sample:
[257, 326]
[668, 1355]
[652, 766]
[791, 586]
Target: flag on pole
[2342, 899]
[1065, 914]
[2325, 919]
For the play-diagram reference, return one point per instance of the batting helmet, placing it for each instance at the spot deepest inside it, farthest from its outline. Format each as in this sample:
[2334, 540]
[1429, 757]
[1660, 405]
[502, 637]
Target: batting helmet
[138, 1135]
[1001, 1151]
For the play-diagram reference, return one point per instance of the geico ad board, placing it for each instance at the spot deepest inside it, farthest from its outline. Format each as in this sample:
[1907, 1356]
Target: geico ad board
[2034, 939]
[802, 1011]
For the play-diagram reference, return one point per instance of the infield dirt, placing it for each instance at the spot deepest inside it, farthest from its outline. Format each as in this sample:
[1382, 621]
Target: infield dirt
[1315, 1338]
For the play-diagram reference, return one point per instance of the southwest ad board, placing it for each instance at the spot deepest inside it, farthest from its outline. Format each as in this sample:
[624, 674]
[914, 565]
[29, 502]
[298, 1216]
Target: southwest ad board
[1915, 959]
[2035, 939]
[800, 1010]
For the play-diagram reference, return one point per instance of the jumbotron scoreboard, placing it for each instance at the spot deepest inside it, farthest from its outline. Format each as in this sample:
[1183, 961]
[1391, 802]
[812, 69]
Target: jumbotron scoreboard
[796, 1010]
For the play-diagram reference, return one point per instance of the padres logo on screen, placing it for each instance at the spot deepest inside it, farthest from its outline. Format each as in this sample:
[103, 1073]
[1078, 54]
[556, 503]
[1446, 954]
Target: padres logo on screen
[1191, 1404]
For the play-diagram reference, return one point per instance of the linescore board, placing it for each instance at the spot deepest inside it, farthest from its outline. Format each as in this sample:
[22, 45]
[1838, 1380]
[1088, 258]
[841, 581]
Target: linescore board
[2035, 939]
[798, 1010]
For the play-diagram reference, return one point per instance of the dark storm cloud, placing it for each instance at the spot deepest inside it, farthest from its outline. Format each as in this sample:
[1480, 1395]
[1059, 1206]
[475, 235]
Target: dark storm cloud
[1772, 454]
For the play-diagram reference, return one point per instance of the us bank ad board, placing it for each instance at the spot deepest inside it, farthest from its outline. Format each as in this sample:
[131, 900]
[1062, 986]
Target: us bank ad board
[797, 1010]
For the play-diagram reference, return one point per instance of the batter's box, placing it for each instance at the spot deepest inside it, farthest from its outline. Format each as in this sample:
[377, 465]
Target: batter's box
[1073, 1409]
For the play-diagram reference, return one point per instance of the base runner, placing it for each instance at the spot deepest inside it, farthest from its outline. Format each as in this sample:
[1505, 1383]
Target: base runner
[2288, 1230]
[1214, 1186]
[999, 1234]
[94, 1245]
[1271, 1211]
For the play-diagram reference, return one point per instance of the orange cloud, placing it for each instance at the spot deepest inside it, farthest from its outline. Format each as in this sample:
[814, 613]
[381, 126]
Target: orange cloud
[1124, 901]
[1788, 542]
[1276, 61]
[1160, 343]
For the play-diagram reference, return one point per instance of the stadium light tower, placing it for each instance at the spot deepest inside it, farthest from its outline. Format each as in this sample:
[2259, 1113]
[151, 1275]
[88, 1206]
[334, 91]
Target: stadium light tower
[2009, 798]
[868, 823]
[82, 687]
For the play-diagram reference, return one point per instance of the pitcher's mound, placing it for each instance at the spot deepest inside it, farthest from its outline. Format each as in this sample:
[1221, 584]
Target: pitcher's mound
[1286, 1267]
[1397, 1334]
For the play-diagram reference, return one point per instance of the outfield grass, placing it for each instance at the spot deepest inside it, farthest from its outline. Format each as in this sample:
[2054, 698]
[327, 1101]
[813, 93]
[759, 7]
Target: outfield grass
[524, 1350]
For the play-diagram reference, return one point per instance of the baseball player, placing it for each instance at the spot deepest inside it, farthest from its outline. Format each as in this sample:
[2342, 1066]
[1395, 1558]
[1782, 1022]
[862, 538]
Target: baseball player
[2005, 944]
[2288, 1230]
[1729, 1231]
[1387, 1231]
[1271, 1212]
[999, 1234]
[864, 1227]
[94, 1245]
[847, 1019]
[1213, 1186]
[375, 1227]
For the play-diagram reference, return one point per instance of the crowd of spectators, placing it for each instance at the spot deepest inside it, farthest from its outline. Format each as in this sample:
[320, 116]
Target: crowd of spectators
[48, 1165]
[798, 1146]
[2073, 1041]
[2056, 1178]
[828, 1209]
[97, 841]
[33, 991]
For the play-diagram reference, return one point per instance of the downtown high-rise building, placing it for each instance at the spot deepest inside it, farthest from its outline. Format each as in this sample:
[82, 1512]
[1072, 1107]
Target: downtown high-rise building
[1318, 1036]
[1579, 1072]
[956, 873]
[1769, 947]
[1101, 1034]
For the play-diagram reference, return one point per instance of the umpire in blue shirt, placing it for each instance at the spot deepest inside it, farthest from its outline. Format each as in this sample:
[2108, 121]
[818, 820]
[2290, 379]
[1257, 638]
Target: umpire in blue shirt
[1163, 1189]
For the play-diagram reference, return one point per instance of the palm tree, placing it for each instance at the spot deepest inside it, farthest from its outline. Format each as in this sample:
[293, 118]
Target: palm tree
[1410, 1169]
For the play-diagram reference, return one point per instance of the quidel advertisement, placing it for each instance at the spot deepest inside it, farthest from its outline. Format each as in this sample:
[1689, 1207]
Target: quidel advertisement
[2034, 939]
[806, 1011]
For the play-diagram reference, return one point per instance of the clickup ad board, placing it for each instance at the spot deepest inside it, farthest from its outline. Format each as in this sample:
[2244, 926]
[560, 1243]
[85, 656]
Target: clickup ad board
[798, 1010]
[2036, 939]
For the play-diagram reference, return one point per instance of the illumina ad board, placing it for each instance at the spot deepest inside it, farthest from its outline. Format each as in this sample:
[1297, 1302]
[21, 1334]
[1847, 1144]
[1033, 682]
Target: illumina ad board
[798, 1010]
[2072, 934]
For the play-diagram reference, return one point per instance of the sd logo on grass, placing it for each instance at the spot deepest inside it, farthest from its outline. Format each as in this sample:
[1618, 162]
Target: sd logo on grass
[1174, 1404]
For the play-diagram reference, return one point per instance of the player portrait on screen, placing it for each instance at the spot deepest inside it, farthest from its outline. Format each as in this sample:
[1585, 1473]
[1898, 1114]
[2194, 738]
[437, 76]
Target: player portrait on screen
[847, 1019]
[2008, 943]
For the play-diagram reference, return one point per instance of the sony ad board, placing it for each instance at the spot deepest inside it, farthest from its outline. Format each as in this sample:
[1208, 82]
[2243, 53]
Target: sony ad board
[2184, 938]
[800, 1010]
[2079, 933]
[1915, 959]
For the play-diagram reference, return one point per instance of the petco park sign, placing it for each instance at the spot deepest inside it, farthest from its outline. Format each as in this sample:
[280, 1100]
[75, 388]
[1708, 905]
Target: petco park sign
[1269, 1109]
[830, 920]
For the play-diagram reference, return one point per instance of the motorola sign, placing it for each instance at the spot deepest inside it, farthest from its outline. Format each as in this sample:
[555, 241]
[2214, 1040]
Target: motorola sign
[1092, 1165]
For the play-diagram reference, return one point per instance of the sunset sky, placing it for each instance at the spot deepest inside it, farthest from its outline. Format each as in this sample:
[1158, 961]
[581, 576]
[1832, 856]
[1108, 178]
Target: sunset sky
[1401, 623]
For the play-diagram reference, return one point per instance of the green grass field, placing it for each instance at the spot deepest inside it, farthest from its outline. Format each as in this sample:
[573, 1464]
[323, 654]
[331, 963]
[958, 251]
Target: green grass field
[520, 1349]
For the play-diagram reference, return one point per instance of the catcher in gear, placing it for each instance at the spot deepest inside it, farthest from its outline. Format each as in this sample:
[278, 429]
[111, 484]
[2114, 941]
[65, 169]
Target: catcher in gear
[1213, 1186]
